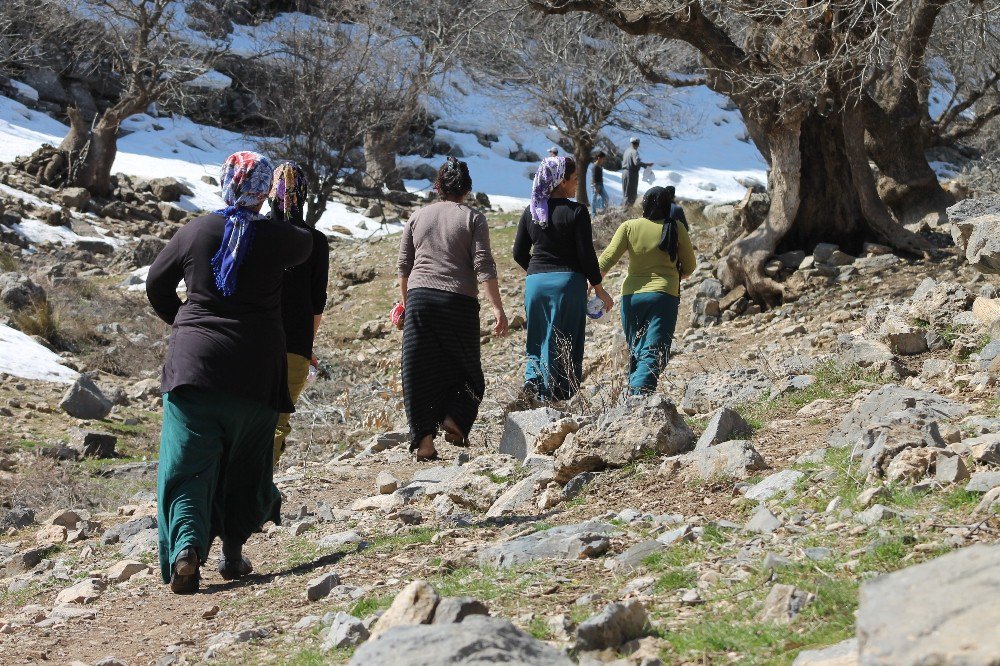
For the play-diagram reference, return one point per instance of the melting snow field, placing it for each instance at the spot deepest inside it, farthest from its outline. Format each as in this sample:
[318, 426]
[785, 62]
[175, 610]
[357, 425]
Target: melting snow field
[23, 357]
[706, 152]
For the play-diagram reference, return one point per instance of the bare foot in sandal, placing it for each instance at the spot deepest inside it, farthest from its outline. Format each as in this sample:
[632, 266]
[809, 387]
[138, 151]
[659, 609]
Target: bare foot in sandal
[453, 434]
[426, 451]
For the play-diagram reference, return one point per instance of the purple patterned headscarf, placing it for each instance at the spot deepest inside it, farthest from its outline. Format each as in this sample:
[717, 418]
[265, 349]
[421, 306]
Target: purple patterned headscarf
[550, 175]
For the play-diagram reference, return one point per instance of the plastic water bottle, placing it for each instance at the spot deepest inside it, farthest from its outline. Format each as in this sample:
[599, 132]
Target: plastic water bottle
[595, 307]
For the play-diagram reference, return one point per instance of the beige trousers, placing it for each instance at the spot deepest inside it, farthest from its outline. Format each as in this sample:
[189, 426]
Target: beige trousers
[298, 373]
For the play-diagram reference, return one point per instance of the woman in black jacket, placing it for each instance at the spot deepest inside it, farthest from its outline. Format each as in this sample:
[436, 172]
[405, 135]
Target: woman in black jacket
[224, 377]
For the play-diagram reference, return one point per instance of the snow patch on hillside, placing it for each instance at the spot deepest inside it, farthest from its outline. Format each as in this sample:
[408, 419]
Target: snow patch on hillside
[22, 357]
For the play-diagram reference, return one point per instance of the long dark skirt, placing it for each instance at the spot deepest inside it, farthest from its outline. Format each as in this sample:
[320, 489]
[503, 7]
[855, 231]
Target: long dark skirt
[442, 369]
[649, 320]
[215, 474]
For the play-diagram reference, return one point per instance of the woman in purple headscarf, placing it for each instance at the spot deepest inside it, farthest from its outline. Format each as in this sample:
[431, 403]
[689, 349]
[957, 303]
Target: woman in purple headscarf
[224, 377]
[555, 245]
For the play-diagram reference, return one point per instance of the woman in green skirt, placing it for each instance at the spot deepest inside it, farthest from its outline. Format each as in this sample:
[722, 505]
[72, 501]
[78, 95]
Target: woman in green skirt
[660, 256]
[225, 375]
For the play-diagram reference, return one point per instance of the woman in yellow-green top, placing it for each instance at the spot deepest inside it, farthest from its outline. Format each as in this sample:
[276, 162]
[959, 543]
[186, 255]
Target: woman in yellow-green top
[659, 257]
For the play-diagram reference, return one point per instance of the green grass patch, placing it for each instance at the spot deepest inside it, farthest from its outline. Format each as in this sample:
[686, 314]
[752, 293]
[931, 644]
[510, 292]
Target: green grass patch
[960, 498]
[886, 556]
[539, 628]
[366, 606]
[388, 544]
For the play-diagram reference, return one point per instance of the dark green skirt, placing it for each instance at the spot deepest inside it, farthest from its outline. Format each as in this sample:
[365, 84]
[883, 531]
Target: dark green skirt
[215, 473]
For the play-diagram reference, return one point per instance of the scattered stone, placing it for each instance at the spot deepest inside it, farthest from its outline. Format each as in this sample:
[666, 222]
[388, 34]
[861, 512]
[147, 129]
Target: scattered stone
[869, 495]
[19, 291]
[933, 613]
[724, 425]
[320, 587]
[51, 535]
[72, 197]
[66, 518]
[84, 400]
[566, 542]
[636, 427]
[477, 640]
[783, 603]
[950, 468]
[823, 252]
[409, 516]
[983, 482]
[386, 483]
[985, 449]
[516, 496]
[93, 444]
[691, 598]
[126, 569]
[634, 557]
[340, 539]
[618, 623]
[677, 535]
[774, 485]
[521, 430]
[128, 530]
[452, 610]
[735, 458]
[763, 522]
[87, 590]
[878, 513]
[168, 189]
[888, 400]
[552, 435]
[709, 391]
[415, 604]
[346, 631]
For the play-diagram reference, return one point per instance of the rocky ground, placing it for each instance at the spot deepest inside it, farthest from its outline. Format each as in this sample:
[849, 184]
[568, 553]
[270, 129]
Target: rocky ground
[747, 514]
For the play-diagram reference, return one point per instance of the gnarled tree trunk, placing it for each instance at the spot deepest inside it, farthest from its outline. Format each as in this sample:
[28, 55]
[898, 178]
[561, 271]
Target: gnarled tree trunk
[380, 160]
[581, 155]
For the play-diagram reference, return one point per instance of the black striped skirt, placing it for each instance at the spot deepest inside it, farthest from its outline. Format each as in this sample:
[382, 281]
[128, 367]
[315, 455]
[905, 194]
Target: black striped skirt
[442, 368]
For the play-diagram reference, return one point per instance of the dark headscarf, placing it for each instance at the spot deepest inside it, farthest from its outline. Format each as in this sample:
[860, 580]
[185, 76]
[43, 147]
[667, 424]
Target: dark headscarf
[657, 205]
[288, 192]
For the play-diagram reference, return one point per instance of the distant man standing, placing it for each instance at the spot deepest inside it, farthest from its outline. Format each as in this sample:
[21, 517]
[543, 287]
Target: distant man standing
[631, 165]
[553, 152]
[597, 181]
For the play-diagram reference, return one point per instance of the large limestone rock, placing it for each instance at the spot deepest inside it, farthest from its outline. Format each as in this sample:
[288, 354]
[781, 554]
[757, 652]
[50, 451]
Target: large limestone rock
[84, 400]
[477, 641]
[724, 425]
[168, 189]
[414, 605]
[711, 390]
[735, 458]
[942, 612]
[521, 429]
[983, 249]
[618, 623]
[566, 542]
[19, 291]
[890, 399]
[963, 216]
[635, 428]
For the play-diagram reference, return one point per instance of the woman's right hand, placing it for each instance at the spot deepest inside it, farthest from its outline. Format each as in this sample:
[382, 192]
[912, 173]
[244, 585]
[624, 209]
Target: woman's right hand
[501, 326]
[609, 303]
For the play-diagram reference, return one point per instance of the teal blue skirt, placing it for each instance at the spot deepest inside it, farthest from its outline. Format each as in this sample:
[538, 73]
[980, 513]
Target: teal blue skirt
[649, 320]
[556, 312]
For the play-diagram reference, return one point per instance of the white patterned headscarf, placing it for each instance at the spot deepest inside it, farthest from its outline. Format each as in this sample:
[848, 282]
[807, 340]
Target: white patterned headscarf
[550, 174]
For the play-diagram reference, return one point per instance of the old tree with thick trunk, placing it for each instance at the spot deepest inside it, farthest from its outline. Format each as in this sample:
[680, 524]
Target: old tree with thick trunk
[804, 77]
[132, 41]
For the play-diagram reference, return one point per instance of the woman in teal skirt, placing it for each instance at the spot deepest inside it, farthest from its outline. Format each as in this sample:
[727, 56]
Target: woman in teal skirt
[555, 245]
[660, 256]
[224, 377]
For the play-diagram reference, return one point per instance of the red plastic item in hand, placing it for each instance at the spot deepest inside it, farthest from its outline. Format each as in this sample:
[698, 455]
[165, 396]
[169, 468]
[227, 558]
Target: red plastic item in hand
[396, 315]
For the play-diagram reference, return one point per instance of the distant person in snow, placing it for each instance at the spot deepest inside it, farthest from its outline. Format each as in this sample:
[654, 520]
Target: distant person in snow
[659, 257]
[225, 375]
[631, 165]
[600, 201]
[555, 245]
[444, 255]
[553, 152]
[303, 289]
